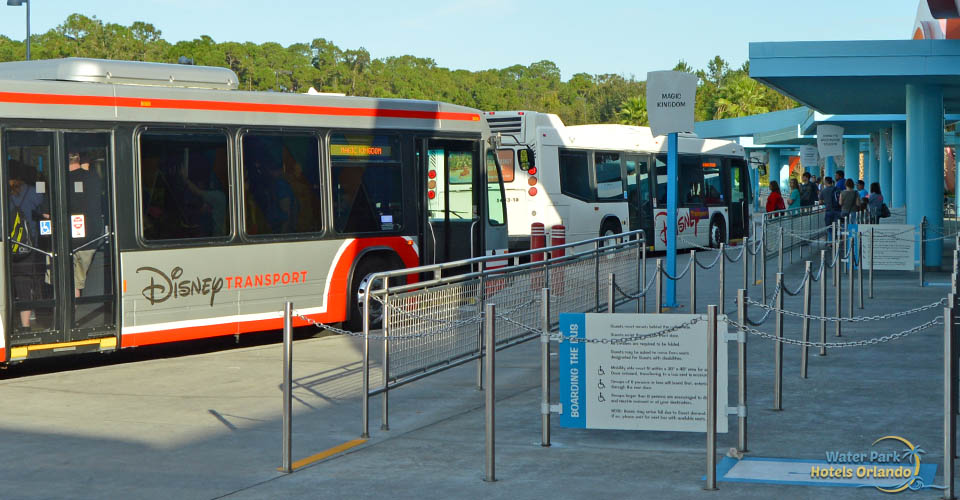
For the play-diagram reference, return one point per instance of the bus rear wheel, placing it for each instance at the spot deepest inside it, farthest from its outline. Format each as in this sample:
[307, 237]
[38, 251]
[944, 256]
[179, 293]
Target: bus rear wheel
[609, 227]
[363, 281]
[718, 232]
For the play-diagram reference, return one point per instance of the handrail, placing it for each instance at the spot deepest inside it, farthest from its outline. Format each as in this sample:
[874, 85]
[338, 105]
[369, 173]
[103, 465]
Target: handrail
[433, 268]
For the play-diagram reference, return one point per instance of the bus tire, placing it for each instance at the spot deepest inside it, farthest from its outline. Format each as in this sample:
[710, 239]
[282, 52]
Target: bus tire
[359, 283]
[609, 227]
[718, 232]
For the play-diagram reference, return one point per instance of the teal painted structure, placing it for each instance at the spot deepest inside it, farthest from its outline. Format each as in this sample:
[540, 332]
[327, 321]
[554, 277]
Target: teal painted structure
[898, 190]
[886, 168]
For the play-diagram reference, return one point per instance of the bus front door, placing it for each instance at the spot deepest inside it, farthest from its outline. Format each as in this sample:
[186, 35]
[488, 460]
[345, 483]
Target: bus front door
[639, 194]
[453, 184]
[59, 248]
[739, 197]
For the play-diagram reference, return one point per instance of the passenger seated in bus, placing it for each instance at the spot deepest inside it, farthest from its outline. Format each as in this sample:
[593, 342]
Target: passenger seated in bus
[208, 210]
[26, 268]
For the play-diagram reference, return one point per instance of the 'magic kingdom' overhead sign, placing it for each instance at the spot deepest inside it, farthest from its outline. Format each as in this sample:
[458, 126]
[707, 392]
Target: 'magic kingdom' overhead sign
[671, 96]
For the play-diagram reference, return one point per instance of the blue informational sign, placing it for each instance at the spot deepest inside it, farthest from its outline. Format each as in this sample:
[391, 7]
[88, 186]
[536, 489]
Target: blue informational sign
[655, 383]
[573, 363]
[46, 228]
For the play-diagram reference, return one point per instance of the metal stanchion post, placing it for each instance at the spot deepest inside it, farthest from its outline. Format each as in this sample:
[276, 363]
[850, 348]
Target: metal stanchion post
[723, 268]
[489, 398]
[850, 257]
[711, 398]
[780, 252]
[860, 268]
[778, 348]
[823, 302]
[641, 264]
[385, 368]
[286, 460]
[746, 260]
[923, 227]
[763, 268]
[742, 371]
[871, 262]
[806, 321]
[949, 419]
[659, 279]
[611, 279]
[838, 284]
[596, 276]
[545, 369]
[365, 397]
[643, 280]
[693, 281]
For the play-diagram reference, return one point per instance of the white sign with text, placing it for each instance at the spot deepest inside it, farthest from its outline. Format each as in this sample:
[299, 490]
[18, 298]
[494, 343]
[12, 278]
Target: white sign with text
[657, 384]
[809, 157]
[830, 140]
[893, 246]
[671, 96]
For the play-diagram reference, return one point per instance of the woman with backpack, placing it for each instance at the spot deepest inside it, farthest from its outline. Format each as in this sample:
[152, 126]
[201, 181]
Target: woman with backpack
[26, 265]
[875, 203]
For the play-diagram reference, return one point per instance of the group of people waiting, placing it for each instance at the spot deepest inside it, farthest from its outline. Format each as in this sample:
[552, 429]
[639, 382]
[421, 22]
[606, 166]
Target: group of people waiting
[840, 197]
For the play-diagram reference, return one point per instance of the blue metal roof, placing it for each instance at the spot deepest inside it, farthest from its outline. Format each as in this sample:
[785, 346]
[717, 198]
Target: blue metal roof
[858, 77]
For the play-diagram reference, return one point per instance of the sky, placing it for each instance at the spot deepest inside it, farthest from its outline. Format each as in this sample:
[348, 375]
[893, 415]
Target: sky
[599, 36]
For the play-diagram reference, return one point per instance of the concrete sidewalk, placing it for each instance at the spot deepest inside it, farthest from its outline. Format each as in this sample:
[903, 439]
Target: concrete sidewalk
[208, 426]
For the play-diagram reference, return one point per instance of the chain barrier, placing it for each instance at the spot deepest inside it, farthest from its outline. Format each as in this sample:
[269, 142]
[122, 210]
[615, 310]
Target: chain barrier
[831, 345]
[766, 314]
[743, 248]
[856, 319]
[627, 340]
[712, 265]
[340, 331]
[803, 282]
[679, 276]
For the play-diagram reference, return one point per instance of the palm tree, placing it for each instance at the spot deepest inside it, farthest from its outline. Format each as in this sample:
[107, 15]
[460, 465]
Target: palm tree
[633, 111]
[740, 96]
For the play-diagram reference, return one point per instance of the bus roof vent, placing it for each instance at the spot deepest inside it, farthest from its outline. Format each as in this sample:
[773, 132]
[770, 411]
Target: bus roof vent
[505, 124]
[75, 69]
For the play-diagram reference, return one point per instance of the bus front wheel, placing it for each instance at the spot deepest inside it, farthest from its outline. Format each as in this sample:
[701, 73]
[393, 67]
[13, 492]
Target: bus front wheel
[361, 282]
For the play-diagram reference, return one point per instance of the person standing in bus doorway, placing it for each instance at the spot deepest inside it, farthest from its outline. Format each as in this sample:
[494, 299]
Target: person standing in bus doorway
[775, 200]
[26, 264]
[86, 201]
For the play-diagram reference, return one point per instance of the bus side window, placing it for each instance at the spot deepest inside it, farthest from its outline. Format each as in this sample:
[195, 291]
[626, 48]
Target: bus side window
[495, 198]
[183, 183]
[281, 184]
[575, 174]
[367, 182]
[609, 181]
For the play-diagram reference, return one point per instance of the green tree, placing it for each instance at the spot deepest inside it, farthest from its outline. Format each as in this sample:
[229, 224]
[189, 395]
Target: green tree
[633, 111]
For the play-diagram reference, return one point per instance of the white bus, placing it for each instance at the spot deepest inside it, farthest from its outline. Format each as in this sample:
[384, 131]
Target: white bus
[606, 179]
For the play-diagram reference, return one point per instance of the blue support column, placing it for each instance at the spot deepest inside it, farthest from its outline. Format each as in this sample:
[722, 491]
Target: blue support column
[671, 287]
[774, 164]
[851, 156]
[873, 173]
[925, 161]
[886, 169]
[898, 191]
[831, 166]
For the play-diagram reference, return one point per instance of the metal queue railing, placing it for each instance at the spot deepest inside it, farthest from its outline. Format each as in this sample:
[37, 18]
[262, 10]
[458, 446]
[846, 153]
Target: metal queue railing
[433, 324]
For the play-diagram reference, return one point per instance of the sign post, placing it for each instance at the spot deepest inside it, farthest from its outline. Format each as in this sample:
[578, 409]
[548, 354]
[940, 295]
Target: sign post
[671, 96]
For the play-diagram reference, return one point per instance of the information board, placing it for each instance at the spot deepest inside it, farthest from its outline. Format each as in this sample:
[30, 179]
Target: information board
[657, 384]
[894, 246]
[829, 140]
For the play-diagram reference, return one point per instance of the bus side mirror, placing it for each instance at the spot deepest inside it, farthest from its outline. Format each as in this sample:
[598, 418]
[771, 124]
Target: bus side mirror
[526, 158]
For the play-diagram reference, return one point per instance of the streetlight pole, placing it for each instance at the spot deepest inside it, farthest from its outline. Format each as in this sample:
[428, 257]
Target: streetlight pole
[17, 3]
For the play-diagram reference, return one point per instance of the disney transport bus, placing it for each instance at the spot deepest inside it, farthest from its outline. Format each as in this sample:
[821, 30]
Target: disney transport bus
[147, 203]
[599, 180]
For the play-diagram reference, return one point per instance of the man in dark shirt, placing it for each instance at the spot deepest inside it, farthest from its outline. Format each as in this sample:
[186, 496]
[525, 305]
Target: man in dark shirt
[829, 200]
[808, 191]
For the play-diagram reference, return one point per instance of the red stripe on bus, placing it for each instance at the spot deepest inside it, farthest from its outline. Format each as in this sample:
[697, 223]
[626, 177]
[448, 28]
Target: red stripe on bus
[336, 300]
[242, 107]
